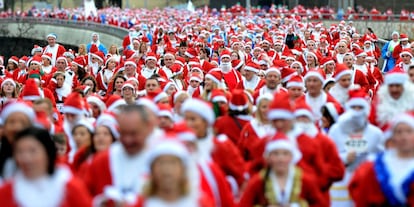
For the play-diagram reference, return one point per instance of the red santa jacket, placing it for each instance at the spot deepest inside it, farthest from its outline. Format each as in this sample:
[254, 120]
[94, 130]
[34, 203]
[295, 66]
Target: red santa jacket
[231, 126]
[366, 190]
[75, 194]
[259, 191]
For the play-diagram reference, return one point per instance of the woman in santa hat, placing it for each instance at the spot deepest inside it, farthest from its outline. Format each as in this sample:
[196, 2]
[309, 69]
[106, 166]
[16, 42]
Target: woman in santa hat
[388, 179]
[210, 151]
[104, 76]
[117, 83]
[104, 134]
[212, 81]
[15, 116]
[9, 91]
[174, 178]
[257, 128]
[281, 183]
[39, 181]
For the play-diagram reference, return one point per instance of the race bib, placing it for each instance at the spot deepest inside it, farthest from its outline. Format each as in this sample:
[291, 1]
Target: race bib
[356, 143]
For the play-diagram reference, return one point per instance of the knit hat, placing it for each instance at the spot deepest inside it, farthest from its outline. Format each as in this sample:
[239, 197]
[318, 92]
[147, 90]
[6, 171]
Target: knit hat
[281, 141]
[199, 107]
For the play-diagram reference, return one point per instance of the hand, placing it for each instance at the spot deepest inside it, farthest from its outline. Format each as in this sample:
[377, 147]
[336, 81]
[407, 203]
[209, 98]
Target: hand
[350, 158]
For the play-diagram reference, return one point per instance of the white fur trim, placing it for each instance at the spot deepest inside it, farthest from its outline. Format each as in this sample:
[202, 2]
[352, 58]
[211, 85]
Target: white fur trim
[176, 95]
[173, 148]
[149, 104]
[96, 56]
[160, 96]
[403, 118]
[238, 107]
[166, 113]
[72, 110]
[115, 104]
[85, 123]
[280, 114]
[51, 35]
[406, 53]
[150, 58]
[358, 102]
[188, 54]
[97, 101]
[314, 74]
[130, 63]
[339, 75]
[395, 78]
[17, 107]
[266, 96]
[8, 80]
[214, 79]
[361, 54]
[283, 144]
[404, 39]
[332, 110]
[331, 61]
[199, 107]
[195, 79]
[251, 69]
[223, 56]
[219, 99]
[295, 84]
[272, 70]
[304, 112]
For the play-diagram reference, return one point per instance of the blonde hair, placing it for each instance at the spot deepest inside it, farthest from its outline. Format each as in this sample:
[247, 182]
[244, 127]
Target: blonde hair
[83, 46]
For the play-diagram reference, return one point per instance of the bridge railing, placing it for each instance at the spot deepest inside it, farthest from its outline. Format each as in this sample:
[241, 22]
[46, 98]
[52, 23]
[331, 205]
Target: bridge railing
[100, 28]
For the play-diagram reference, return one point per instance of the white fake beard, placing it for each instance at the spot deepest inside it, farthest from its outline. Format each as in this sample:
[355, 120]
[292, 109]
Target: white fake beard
[225, 67]
[307, 128]
[353, 121]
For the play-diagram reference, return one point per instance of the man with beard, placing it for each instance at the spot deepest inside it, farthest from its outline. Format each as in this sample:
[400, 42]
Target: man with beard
[355, 138]
[342, 78]
[334, 170]
[394, 97]
[73, 110]
[151, 68]
[251, 81]
[230, 75]
[265, 45]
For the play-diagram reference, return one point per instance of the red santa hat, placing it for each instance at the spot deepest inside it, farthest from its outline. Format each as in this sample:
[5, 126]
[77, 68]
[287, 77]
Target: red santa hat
[99, 55]
[128, 84]
[327, 60]
[108, 120]
[171, 147]
[287, 73]
[196, 77]
[74, 104]
[280, 108]
[236, 64]
[199, 107]
[14, 59]
[48, 56]
[95, 99]
[184, 133]
[281, 142]
[148, 103]
[274, 70]
[31, 91]
[360, 53]
[238, 101]
[113, 102]
[303, 109]
[225, 53]
[295, 81]
[215, 76]
[403, 37]
[341, 70]
[8, 80]
[85, 123]
[406, 118]
[218, 95]
[151, 56]
[252, 66]
[406, 51]
[318, 73]
[79, 61]
[17, 106]
[396, 76]
[131, 61]
[316, 55]
[165, 110]
[358, 97]
[37, 59]
[191, 52]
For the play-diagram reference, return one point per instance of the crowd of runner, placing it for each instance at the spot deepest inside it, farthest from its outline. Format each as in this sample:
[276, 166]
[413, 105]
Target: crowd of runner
[209, 110]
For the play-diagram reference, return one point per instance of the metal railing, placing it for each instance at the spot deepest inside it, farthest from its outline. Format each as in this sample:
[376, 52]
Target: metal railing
[118, 32]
